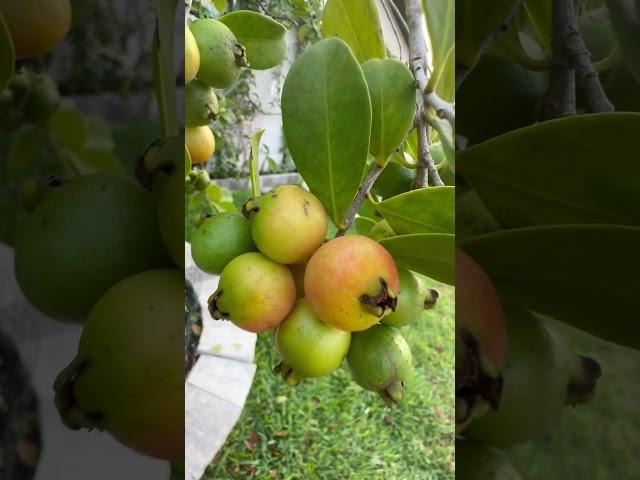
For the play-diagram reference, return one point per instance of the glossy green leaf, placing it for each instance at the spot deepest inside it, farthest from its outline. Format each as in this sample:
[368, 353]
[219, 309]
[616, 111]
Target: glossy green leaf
[431, 254]
[357, 23]
[326, 115]
[516, 174]
[263, 37]
[539, 14]
[362, 226]
[254, 165]
[221, 5]
[475, 23]
[584, 275]
[440, 17]
[427, 210]
[393, 103]
[69, 127]
[625, 18]
[7, 54]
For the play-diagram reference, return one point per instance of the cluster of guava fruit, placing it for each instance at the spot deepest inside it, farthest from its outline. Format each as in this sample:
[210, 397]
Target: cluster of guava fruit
[514, 374]
[213, 59]
[323, 301]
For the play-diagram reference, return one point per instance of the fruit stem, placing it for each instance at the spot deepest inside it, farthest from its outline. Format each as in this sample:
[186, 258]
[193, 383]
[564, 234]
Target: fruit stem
[164, 71]
[357, 201]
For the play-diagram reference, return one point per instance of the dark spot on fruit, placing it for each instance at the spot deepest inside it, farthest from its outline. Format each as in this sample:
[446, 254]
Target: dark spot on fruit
[305, 206]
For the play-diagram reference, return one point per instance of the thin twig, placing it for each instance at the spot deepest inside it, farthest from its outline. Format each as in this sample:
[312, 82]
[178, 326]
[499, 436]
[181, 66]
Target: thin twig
[418, 62]
[360, 196]
[560, 99]
[462, 71]
[580, 59]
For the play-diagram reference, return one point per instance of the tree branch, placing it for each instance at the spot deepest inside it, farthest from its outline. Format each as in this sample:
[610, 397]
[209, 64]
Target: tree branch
[418, 62]
[462, 71]
[560, 99]
[580, 59]
[363, 191]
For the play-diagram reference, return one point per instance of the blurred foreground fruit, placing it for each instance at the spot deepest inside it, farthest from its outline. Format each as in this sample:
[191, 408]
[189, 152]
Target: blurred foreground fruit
[308, 347]
[36, 26]
[288, 223]
[85, 236]
[191, 56]
[351, 283]
[380, 360]
[541, 377]
[413, 300]
[481, 341]
[221, 56]
[127, 377]
[480, 462]
[219, 239]
[254, 292]
[200, 142]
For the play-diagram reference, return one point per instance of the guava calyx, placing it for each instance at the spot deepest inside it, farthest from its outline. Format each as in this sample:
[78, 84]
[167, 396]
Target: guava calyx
[213, 306]
[240, 54]
[431, 299]
[583, 381]
[392, 392]
[381, 301]
[72, 415]
[479, 383]
[252, 205]
[288, 374]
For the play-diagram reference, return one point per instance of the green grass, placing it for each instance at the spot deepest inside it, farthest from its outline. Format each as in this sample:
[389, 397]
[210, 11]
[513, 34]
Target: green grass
[329, 428]
[597, 441]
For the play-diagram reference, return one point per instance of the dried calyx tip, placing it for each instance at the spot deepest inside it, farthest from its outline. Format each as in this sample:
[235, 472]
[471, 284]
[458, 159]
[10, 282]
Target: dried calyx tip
[381, 301]
[213, 305]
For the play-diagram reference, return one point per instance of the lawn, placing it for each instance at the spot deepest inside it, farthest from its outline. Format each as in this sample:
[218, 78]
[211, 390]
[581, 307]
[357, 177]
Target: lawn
[329, 428]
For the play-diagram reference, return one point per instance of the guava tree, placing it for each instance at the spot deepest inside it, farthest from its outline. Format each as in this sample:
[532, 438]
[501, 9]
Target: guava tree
[545, 209]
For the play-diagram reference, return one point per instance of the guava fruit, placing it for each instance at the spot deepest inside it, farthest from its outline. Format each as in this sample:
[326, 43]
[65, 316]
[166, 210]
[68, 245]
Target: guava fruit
[288, 224]
[200, 104]
[480, 462]
[380, 360]
[254, 292]
[351, 283]
[413, 300]
[539, 380]
[191, 56]
[307, 346]
[481, 341]
[219, 239]
[163, 162]
[200, 142]
[43, 99]
[128, 375]
[85, 236]
[221, 56]
[394, 180]
[36, 26]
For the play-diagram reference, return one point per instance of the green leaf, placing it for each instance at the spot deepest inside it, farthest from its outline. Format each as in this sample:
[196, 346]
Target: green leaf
[444, 83]
[475, 23]
[516, 174]
[431, 254]
[440, 16]
[393, 104]
[254, 165]
[625, 18]
[445, 136]
[221, 5]
[539, 14]
[362, 226]
[427, 210]
[326, 115]
[7, 54]
[358, 24]
[584, 275]
[263, 37]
